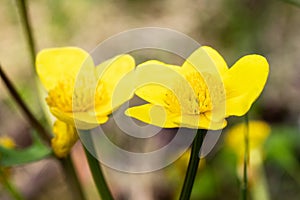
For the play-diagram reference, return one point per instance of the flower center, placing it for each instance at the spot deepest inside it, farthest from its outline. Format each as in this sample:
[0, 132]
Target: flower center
[193, 96]
[71, 96]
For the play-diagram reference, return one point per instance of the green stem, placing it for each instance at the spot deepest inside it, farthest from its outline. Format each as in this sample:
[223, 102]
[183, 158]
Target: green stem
[22, 8]
[72, 178]
[246, 160]
[193, 165]
[96, 170]
[32, 120]
[10, 187]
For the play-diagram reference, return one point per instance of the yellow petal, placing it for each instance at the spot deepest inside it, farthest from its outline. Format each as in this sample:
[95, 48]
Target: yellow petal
[153, 93]
[199, 122]
[215, 116]
[154, 79]
[80, 120]
[152, 114]
[116, 75]
[244, 82]
[55, 64]
[104, 108]
[65, 136]
[205, 59]
[112, 71]
[162, 64]
[122, 92]
[258, 133]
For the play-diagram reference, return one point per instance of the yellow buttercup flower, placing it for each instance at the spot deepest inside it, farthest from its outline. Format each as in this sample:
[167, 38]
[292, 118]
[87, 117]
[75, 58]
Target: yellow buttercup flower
[65, 136]
[258, 133]
[204, 92]
[77, 90]
[7, 142]
[79, 94]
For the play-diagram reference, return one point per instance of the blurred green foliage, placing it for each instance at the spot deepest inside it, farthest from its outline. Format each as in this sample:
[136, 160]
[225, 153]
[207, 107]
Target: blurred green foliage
[14, 157]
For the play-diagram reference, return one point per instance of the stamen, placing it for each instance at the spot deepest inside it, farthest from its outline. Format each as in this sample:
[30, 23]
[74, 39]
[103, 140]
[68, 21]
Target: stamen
[80, 99]
[194, 97]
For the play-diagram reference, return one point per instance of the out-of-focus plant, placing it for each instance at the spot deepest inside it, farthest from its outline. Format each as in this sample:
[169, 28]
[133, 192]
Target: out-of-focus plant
[281, 148]
[8, 144]
[258, 132]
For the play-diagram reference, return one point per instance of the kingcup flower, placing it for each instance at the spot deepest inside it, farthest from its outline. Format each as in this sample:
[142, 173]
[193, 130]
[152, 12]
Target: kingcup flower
[258, 133]
[79, 93]
[203, 93]
[8, 143]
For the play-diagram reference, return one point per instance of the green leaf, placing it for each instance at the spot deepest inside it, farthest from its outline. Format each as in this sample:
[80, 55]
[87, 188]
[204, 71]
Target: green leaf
[281, 148]
[12, 157]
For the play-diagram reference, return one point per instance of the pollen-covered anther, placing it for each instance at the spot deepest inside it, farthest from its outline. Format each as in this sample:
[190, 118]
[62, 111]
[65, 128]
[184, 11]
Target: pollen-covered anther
[194, 96]
[82, 98]
[61, 96]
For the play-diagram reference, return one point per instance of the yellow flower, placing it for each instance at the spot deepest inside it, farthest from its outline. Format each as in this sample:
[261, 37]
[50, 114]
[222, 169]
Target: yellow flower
[7, 142]
[203, 93]
[65, 137]
[258, 133]
[79, 94]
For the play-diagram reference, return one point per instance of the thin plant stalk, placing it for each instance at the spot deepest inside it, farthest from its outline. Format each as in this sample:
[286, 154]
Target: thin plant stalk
[44, 134]
[193, 165]
[95, 168]
[22, 9]
[67, 163]
[246, 160]
[28, 114]
[9, 186]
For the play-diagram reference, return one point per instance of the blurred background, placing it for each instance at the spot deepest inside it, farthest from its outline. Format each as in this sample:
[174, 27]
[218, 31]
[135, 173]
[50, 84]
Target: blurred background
[233, 27]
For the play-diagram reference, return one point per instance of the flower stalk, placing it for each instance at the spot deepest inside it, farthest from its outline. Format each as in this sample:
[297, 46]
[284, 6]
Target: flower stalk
[43, 133]
[193, 165]
[66, 163]
[246, 160]
[96, 170]
[32, 120]
[10, 187]
[22, 9]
